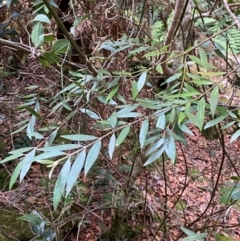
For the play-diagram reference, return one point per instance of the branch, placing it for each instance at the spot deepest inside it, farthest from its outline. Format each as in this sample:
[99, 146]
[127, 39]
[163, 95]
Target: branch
[178, 13]
[236, 21]
[70, 39]
[15, 45]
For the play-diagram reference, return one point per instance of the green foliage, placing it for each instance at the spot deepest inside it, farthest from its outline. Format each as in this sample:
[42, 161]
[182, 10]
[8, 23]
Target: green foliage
[118, 108]
[38, 226]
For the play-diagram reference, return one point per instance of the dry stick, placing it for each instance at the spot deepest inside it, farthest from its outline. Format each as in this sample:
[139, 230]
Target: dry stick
[236, 21]
[70, 39]
[185, 185]
[15, 45]
[221, 139]
[178, 15]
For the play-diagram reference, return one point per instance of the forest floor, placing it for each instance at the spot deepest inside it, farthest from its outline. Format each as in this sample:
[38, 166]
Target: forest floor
[186, 194]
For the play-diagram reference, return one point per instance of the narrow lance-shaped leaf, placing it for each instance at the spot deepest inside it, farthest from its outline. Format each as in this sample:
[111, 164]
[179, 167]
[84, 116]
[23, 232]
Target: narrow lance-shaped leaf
[113, 119]
[90, 113]
[195, 237]
[123, 134]
[31, 218]
[172, 78]
[134, 89]
[143, 132]
[30, 128]
[61, 183]
[172, 115]
[158, 144]
[214, 100]
[170, 148]
[190, 116]
[112, 93]
[204, 59]
[60, 147]
[111, 146]
[201, 113]
[127, 109]
[161, 121]
[141, 81]
[92, 156]
[155, 156]
[129, 115]
[75, 171]
[79, 137]
[27, 161]
[235, 136]
[215, 121]
[15, 174]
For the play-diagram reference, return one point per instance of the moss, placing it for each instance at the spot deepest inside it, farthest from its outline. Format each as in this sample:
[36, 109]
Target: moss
[119, 230]
[11, 228]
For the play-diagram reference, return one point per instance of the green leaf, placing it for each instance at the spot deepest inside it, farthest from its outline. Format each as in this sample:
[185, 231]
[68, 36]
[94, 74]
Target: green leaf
[172, 78]
[61, 46]
[141, 81]
[127, 108]
[138, 50]
[61, 183]
[161, 121]
[159, 69]
[134, 89]
[37, 35]
[220, 237]
[156, 155]
[30, 128]
[123, 134]
[186, 94]
[79, 137]
[90, 113]
[201, 113]
[113, 120]
[32, 111]
[20, 151]
[42, 18]
[51, 138]
[229, 124]
[185, 129]
[129, 115]
[215, 121]
[12, 157]
[195, 237]
[172, 115]
[112, 93]
[204, 59]
[190, 116]
[196, 60]
[31, 218]
[75, 171]
[92, 156]
[187, 231]
[143, 132]
[235, 136]
[27, 161]
[111, 147]
[15, 174]
[170, 148]
[214, 100]
[47, 155]
[60, 147]
[156, 146]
